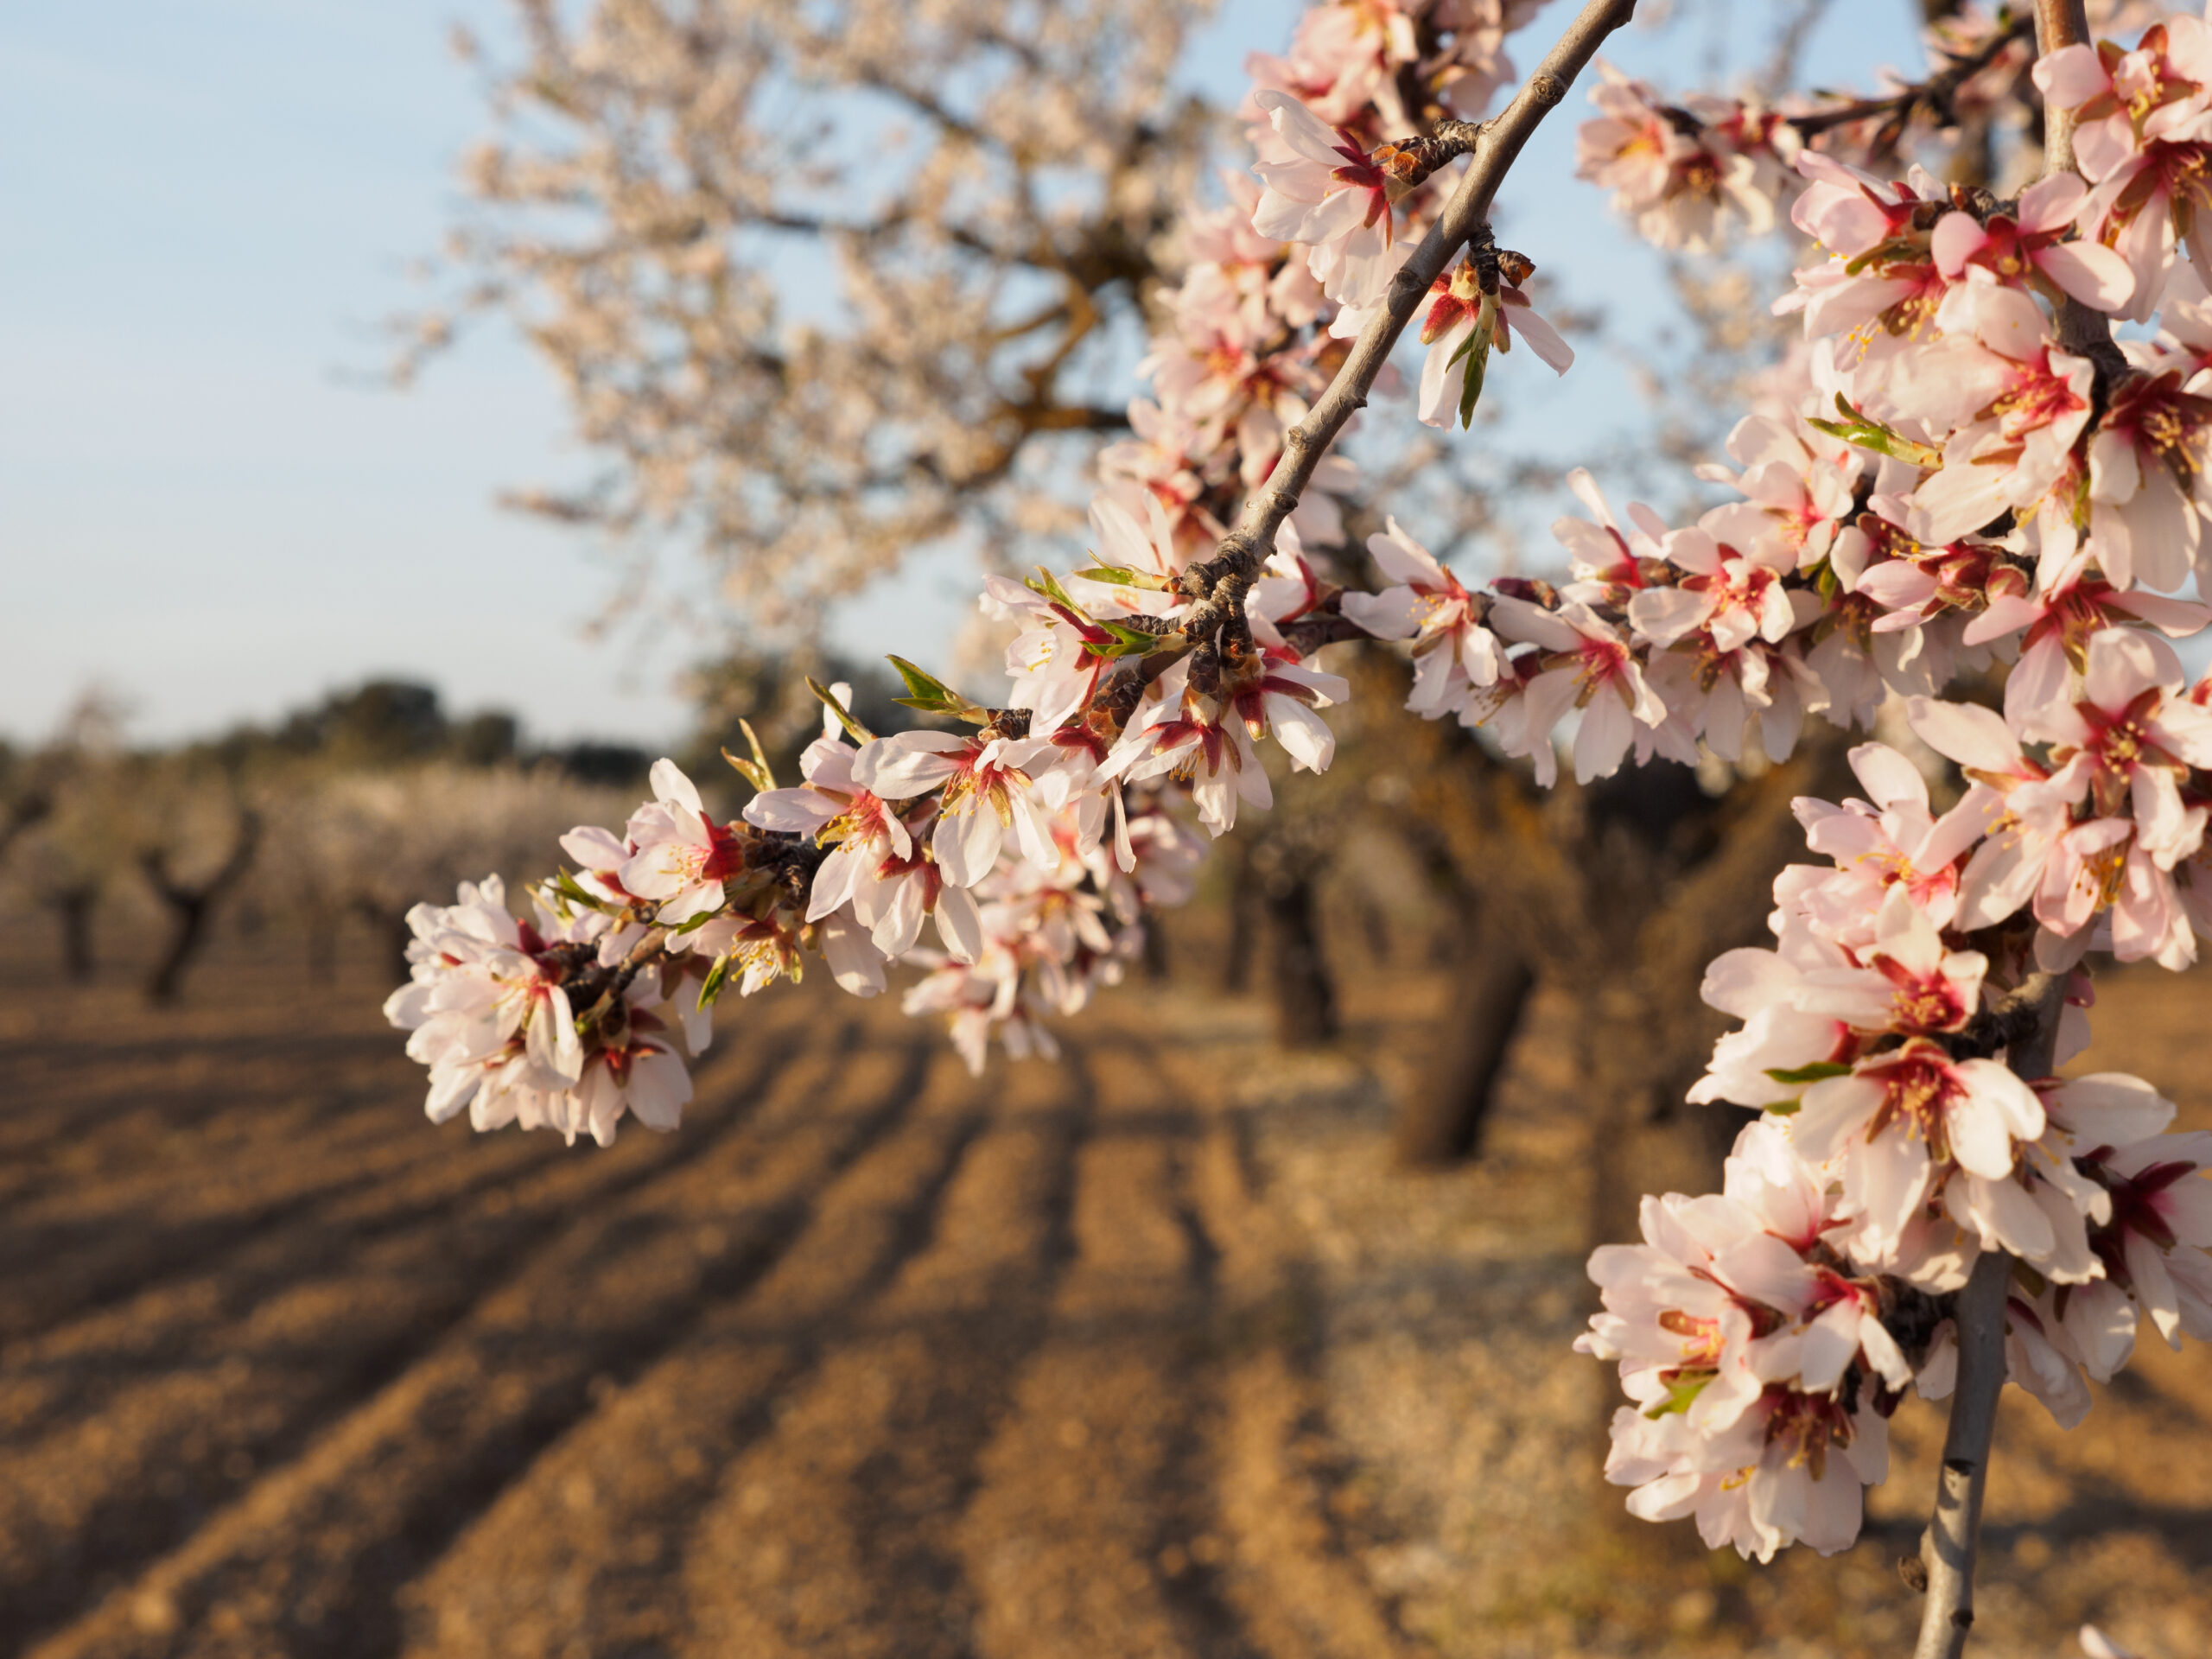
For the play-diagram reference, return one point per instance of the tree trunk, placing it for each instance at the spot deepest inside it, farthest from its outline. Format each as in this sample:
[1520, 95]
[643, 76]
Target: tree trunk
[187, 931]
[1156, 964]
[1306, 1001]
[1246, 906]
[191, 906]
[391, 926]
[322, 944]
[398, 935]
[75, 906]
[1442, 1122]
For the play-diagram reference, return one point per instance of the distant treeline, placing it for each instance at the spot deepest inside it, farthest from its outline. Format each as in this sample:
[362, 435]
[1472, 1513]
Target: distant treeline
[386, 723]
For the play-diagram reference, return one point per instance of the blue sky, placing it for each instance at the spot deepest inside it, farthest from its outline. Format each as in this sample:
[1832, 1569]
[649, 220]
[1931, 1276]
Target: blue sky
[207, 503]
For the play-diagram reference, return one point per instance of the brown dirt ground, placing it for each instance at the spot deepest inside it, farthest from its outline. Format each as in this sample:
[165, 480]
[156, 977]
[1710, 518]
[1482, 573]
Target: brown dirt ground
[1148, 1354]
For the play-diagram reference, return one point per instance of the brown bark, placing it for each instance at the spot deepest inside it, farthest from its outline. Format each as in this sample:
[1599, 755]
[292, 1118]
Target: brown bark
[74, 906]
[391, 926]
[191, 905]
[1305, 996]
[1441, 1122]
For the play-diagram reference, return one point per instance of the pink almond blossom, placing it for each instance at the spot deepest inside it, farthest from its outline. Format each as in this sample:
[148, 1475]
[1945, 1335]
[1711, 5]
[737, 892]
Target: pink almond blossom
[1324, 190]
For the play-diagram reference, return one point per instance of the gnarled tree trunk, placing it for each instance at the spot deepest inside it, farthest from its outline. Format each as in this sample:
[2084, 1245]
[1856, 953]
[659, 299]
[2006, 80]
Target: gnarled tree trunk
[192, 905]
[1441, 1122]
[74, 906]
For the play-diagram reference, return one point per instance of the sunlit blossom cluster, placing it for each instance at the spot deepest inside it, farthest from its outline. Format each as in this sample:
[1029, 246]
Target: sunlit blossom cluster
[1892, 1149]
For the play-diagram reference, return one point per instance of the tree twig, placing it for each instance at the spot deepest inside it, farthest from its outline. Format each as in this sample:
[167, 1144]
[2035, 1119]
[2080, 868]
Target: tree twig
[1948, 1547]
[1935, 92]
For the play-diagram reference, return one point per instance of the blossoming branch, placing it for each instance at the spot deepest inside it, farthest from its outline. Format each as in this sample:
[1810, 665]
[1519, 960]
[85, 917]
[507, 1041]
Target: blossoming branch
[1969, 475]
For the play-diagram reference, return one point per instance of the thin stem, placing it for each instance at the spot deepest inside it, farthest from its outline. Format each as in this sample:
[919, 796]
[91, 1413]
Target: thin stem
[2058, 23]
[1935, 92]
[1949, 1547]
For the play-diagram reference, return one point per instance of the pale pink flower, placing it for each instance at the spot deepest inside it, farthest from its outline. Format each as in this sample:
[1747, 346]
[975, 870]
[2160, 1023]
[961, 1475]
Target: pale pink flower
[836, 810]
[1463, 324]
[1734, 597]
[904, 889]
[1584, 663]
[1159, 462]
[1342, 59]
[2140, 140]
[1452, 649]
[641, 1074]
[2149, 487]
[1766, 1062]
[1323, 189]
[2056, 624]
[2139, 734]
[2007, 869]
[1054, 662]
[1891, 842]
[490, 1014]
[764, 949]
[1207, 739]
[1736, 1334]
[1682, 172]
[979, 999]
[2012, 404]
[1893, 1129]
[1910, 985]
[678, 856]
[1848, 211]
[2151, 1240]
[486, 1007]
[1802, 483]
[982, 789]
[2013, 250]
[1609, 563]
[1277, 695]
[1881, 304]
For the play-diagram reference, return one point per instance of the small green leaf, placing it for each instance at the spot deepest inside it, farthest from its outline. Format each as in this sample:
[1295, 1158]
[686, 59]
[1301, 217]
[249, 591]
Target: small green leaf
[1681, 1389]
[1813, 1073]
[933, 696]
[754, 775]
[760, 755]
[854, 729]
[713, 986]
[565, 885]
[1476, 349]
[1046, 583]
[1471, 390]
[1122, 577]
[1857, 428]
[1128, 641]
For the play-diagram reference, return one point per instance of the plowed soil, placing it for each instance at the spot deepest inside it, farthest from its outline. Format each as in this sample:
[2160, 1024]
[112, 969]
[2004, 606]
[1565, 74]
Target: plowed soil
[1148, 1353]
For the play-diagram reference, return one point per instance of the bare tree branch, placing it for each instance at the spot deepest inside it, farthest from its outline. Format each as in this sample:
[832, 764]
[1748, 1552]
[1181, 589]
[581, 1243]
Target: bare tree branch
[1949, 1547]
